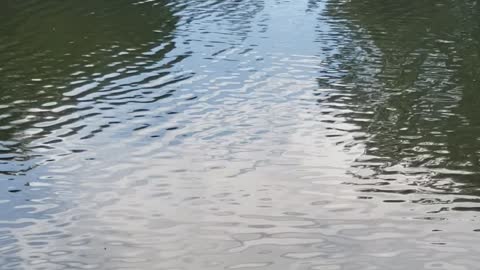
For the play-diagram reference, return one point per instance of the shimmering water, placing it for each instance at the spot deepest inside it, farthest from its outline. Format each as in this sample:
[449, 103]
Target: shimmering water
[254, 134]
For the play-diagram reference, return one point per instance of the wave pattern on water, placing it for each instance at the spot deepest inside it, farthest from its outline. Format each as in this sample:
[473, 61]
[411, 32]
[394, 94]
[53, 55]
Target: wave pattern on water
[237, 135]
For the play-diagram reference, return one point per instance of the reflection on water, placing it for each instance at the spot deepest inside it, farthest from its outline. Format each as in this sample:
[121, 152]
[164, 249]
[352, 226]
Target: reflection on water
[410, 73]
[239, 134]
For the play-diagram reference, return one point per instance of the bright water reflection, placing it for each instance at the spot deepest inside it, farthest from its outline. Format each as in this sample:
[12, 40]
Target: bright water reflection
[239, 134]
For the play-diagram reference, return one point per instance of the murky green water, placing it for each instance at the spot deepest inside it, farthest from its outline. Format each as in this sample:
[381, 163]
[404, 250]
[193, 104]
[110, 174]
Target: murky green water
[266, 134]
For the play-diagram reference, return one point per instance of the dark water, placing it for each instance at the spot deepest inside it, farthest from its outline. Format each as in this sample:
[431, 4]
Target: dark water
[266, 134]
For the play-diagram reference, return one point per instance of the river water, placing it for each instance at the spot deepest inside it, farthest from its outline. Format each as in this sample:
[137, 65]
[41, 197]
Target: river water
[254, 134]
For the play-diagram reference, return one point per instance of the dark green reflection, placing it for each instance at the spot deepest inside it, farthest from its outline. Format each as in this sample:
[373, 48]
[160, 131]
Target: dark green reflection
[48, 48]
[412, 70]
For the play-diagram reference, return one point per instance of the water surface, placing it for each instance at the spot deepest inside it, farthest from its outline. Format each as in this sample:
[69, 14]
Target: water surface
[267, 134]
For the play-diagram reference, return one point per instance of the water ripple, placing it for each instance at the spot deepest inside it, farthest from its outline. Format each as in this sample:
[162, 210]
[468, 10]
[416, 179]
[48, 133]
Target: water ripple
[238, 135]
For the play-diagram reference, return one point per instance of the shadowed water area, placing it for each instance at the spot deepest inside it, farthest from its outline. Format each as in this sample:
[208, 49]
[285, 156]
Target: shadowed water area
[266, 134]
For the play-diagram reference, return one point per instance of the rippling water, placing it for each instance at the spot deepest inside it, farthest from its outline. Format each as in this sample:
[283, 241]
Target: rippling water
[267, 134]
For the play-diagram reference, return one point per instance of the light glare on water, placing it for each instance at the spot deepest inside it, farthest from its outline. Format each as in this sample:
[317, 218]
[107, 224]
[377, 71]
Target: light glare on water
[272, 134]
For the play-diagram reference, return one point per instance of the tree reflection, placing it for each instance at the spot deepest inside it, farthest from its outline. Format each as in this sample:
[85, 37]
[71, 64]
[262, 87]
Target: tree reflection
[49, 48]
[412, 70]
